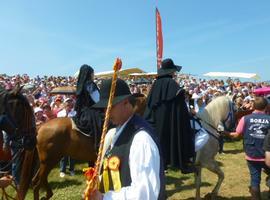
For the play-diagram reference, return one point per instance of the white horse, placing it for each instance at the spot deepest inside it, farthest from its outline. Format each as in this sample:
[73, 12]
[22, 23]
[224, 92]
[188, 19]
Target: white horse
[217, 116]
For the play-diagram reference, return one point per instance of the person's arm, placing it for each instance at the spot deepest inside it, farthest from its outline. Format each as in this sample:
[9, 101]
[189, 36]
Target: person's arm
[266, 148]
[267, 158]
[144, 162]
[239, 129]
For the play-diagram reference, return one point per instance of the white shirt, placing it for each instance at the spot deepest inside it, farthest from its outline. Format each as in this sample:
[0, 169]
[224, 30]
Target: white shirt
[63, 113]
[144, 164]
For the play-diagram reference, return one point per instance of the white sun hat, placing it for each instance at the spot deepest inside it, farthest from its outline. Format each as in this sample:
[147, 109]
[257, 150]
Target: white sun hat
[37, 109]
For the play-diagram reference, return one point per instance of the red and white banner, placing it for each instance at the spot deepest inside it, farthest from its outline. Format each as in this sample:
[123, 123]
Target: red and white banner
[159, 39]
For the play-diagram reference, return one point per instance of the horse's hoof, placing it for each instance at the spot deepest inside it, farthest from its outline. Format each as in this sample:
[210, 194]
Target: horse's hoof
[43, 198]
[207, 196]
[214, 196]
[210, 196]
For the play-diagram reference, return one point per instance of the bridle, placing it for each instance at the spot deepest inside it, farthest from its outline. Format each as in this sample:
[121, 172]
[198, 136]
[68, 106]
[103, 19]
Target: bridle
[229, 118]
[20, 129]
[24, 135]
[5, 112]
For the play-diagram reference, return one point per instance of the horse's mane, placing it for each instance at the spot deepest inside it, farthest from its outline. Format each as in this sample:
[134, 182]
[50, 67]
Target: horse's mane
[215, 111]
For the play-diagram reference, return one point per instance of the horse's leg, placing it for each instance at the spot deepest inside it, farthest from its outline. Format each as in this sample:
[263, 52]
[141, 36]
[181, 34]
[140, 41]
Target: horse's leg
[41, 179]
[214, 167]
[36, 185]
[44, 172]
[198, 178]
[49, 192]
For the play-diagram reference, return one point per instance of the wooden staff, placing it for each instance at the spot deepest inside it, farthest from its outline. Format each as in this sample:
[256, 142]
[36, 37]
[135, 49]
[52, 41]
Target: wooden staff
[93, 174]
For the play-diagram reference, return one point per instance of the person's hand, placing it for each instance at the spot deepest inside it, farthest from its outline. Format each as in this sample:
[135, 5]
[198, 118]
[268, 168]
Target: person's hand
[6, 149]
[192, 111]
[96, 195]
[5, 181]
[225, 134]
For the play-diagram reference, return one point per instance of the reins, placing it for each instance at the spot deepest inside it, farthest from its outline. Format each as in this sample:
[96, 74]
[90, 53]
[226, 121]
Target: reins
[228, 117]
[210, 125]
[13, 158]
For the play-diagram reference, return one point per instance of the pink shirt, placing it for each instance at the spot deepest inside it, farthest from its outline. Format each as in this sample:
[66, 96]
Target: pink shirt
[240, 129]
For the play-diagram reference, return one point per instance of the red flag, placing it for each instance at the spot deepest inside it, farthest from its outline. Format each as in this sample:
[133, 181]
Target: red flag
[159, 39]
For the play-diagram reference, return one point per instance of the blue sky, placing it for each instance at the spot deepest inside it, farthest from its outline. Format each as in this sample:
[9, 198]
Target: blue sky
[57, 37]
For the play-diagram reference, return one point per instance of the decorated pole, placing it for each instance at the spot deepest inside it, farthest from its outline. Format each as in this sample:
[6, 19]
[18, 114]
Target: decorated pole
[92, 174]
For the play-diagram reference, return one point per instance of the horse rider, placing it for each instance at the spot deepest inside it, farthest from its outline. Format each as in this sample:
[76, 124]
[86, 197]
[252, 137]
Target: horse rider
[87, 91]
[87, 95]
[254, 128]
[167, 112]
[132, 166]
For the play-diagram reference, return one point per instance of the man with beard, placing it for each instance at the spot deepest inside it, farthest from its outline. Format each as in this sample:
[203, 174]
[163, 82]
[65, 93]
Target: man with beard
[167, 112]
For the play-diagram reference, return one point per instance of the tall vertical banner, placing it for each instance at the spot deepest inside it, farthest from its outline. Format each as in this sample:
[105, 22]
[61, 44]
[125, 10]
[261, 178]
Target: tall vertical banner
[159, 39]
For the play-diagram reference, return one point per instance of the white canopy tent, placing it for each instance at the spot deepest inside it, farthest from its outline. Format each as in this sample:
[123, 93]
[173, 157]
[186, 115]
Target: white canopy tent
[233, 74]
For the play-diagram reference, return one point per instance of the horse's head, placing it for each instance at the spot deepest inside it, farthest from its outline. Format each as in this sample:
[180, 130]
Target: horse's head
[20, 115]
[220, 114]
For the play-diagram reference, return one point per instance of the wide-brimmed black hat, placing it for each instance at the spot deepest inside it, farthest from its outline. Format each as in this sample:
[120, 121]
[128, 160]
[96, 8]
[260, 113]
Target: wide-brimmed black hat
[121, 92]
[168, 67]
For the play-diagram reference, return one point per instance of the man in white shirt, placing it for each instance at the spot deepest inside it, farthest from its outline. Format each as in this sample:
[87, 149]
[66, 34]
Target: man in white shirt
[67, 111]
[132, 167]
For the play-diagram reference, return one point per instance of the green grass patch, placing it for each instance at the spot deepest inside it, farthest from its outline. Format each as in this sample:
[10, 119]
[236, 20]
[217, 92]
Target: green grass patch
[179, 186]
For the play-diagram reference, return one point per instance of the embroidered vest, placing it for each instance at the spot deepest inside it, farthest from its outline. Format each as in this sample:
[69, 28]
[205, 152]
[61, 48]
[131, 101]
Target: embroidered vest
[116, 171]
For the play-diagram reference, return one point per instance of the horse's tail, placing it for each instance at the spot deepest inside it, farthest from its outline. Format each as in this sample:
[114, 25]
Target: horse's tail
[30, 161]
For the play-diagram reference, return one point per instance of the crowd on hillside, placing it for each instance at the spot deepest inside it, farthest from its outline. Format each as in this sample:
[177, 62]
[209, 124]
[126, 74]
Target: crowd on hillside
[198, 91]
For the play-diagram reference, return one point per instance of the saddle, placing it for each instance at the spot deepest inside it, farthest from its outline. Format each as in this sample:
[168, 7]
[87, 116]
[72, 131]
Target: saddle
[74, 127]
[89, 122]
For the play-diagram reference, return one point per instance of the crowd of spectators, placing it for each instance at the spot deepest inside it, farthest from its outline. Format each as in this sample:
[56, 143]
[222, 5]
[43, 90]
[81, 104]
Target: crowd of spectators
[198, 91]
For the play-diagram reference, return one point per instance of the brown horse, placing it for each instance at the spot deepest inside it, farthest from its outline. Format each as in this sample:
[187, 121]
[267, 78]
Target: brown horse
[21, 127]
[56, 139]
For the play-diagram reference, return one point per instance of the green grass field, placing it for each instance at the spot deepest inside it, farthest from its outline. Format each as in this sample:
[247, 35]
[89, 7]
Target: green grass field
[234, 187]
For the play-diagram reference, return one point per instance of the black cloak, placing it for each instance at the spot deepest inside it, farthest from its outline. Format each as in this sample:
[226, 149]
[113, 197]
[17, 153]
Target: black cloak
[83, 96]
[87, 119]
[167, 112]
